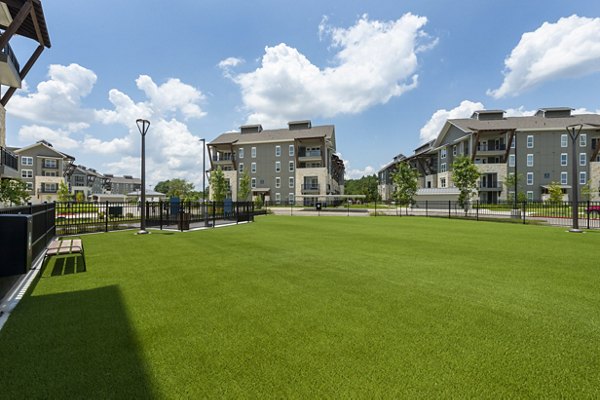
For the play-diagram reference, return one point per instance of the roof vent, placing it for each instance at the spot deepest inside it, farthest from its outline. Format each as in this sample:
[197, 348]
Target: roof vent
[293, 125]
[251, 128]
[555, 112]
[127, 176]
[488, 115]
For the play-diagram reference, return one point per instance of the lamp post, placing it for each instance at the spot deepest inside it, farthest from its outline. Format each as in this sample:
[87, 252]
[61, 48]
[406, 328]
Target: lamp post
[204, 180]
[574, 131]
[143, 126]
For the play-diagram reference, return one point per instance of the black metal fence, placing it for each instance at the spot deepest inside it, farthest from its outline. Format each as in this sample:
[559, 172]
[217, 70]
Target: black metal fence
[87, 217]
[43, 224]
[540, 212]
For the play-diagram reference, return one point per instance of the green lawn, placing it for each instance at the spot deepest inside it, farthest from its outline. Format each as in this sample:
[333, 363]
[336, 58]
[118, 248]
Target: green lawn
[299, 307]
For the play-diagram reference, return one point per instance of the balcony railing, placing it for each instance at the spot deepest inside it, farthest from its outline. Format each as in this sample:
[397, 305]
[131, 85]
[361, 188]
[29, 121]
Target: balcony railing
[222, 157]
[11, 55]
[491, 147]
[311, 187]
[8, 159]
[493, 185]
[309, 153]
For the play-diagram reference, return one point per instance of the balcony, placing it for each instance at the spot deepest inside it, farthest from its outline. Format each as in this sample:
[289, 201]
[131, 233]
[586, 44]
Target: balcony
[8, 164]
[9, 68]
[223, 158]
[309, 188]
[309, 155]
[493, 186]
[491, 149]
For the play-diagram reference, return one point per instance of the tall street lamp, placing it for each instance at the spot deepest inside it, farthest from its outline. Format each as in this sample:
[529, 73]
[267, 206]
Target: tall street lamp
[204, 180]
[574, 131]
[143, 126]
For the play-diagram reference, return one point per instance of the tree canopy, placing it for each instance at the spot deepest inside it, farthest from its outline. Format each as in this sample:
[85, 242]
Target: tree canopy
[464, 176]
[244, 189]
[178, 188]
[367, 185]
[64, 194]
[405, 182]
[13, 192]
[218, 185]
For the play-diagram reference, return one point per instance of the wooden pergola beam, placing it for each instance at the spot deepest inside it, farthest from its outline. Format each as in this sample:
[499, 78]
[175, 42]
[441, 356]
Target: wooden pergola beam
[509, 144]
[16, 23]
[475, 143]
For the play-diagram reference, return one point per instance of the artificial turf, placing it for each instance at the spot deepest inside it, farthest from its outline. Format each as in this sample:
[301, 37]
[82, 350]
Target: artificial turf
[293, 307]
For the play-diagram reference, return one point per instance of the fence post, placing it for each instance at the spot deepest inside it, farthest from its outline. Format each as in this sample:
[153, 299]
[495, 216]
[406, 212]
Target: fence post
[106, 217]
[160, 213]
[375, 206]
[214, 207]
[449, 208]
[427, 208]
[237, 212]
[524, 212]
[588, 214]
[477, 209]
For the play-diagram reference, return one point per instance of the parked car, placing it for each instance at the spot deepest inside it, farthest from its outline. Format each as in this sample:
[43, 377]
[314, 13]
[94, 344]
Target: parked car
[594, 210]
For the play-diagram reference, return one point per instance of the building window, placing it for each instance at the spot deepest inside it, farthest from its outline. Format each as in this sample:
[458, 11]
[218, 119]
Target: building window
[582, 159]
[582, 178]
[443, 153]
[563, 178]
[291, 150]
[511, 160]
[454, 150]
[29, 186]
[253, 152]
[291, 166]
[277, 166]
[443, 167]
[513, 142]
[241, 152]
[529, 178]
[443, 182]
[278, 198]
[530, 160]
[26, 160]
[253, 183]
[291, 183]
[564, 140]
[26, 173]
[563, 159]
[582, 140]
[530, 141]
[529, 195]
[253, 167]
[277, 182]
[277, 151]
[50, 163]
[241, 167]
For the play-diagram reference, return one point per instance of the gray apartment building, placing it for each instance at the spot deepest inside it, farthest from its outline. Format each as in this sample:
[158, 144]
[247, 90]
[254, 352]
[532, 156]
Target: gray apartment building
[538, 149]
[297, 164]
[43, 169]
[87, 181]
[121, 184]
[25, 19]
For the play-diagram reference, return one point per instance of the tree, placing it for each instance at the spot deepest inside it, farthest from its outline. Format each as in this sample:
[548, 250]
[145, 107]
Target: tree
[366, 185]
[555, 193]
[464, 176]
[218, 185]
[64, 194]
[178, 188]
[510, 181]
[13, 192]
[405, 182]
[79, 197]
[244, 189]
[587, 191]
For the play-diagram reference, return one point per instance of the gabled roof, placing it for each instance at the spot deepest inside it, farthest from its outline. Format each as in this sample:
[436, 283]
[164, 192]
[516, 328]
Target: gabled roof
[48, 146]
[274, 135]
[27, 29]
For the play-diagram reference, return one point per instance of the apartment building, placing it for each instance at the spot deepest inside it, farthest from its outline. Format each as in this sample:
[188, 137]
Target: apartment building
[25, 19]
[87, 181]
[121, 184]
[284, 165]
[537, 149]
[43, 169]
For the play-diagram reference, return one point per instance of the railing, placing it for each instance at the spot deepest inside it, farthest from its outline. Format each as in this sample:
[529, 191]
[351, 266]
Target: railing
[311, 187]
[11, 55]
[83, 217]
[487, 147]
[43, 224]
[8, 159]
[223, 157]
[491, 185]
[309, 153]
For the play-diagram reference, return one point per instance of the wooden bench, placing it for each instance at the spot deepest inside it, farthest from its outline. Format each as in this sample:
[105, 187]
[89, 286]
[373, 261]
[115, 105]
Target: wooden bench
[66, 247]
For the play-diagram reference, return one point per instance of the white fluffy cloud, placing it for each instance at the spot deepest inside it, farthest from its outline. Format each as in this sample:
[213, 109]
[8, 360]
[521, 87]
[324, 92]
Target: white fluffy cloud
[433, 127]
[567, 48]
[375, 61]
[171, 150]
[356, 173]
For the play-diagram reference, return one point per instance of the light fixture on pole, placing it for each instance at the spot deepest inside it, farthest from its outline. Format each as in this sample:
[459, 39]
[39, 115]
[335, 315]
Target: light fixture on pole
[574, 131]
[143, 126]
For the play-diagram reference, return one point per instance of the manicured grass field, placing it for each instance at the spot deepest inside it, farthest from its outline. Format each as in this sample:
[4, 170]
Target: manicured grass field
[299, 307]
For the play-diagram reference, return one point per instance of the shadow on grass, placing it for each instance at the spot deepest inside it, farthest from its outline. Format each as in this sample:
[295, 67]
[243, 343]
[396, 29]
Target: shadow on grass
[72, 345]
[63, 265]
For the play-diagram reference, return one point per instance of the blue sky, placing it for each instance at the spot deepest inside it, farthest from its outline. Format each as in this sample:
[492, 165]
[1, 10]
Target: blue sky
[386, 73]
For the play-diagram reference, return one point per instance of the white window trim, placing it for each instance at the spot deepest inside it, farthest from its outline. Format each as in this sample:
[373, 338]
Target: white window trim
[26, 172]
[253, 183]
[253, 152]
[583, 140]
[291, 166]
[582, 174]
[277, 166]
[566, 159]
[564, 140]
[291, 150]
[30, 159]
[241, 167]
[291, 182]
[241, 152]
[564, 178]
[277, 182]
[530, 142]
[530, 158]
[582, 159]
[278, 151]
[530, 181]
[511, 160]
[530, 195]
[253, 168]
